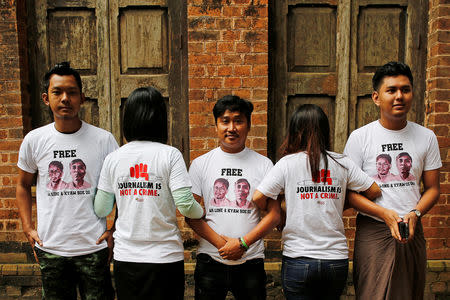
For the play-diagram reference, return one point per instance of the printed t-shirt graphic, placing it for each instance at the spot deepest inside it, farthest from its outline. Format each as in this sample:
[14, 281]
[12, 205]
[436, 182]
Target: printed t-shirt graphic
[226, 182]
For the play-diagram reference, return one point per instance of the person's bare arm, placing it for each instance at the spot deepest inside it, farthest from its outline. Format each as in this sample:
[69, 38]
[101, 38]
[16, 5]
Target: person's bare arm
[429, 198]
[204, 230]
[373, 192]
[232, 250]
[24, 204]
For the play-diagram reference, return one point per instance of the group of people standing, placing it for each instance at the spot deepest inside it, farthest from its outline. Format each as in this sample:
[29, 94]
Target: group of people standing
[241, 192]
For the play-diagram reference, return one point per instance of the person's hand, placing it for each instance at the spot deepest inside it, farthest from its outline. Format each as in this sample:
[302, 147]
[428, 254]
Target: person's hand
[33, 237]
[411, 218]
[232, 249]
[108, 237]
[392, 219]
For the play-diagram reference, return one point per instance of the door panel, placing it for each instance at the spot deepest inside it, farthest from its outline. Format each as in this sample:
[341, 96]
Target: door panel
[325, 52]
[117, 46]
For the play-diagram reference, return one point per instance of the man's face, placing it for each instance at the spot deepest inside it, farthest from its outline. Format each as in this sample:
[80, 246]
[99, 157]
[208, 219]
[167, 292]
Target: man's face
[220, 190]
[232, 129]
[63, 97]
[242, 190]
[77, 171]
[394, 97]
[404, 164]
[55, 174]
[383, 166]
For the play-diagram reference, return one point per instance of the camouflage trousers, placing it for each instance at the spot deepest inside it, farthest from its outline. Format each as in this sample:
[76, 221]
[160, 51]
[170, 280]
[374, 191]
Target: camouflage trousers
[62, 275]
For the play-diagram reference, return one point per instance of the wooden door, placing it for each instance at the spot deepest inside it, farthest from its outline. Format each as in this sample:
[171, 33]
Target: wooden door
[117, 46]
[325, 52]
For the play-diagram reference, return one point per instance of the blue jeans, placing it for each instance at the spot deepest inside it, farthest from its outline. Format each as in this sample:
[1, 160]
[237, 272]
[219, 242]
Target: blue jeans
[213, 280]
[306, 278]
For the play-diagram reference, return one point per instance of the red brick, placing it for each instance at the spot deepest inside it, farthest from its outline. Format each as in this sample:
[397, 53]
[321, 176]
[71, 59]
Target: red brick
[243, 93]
[232, 12]
[232, 82]
[211, 47]
[230, 35]
[202, 131]
[199, 59]
[438, 221]
[205, 82]
[206, 35]
[196, 71]
[194, 11]
[10, 145]
[255, 82]
[242, 70]
[442, 119]
[224, 70]
[250, 59]
[259, 119]
[242, 48]
[261, 23]
[259, 143]
[195, 47]
[260, 94]
[244, 23]
[225, 47]
[231, 58]
[260, 70]
[197, 144]
[195, 95]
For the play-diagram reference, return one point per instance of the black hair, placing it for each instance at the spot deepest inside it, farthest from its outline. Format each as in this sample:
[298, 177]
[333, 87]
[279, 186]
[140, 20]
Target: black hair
[145, 116]
[393, 68]
[309, 130]
[62, 68]
[404, 154]
[77, 160]
[223, 181]
[384, 156]
[233, 104]
[243, 180]
[57, 164]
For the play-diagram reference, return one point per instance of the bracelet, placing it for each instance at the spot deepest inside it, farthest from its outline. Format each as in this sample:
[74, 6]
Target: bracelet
[243, 244]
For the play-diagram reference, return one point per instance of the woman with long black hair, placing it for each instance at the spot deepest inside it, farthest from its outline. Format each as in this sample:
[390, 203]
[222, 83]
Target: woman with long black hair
[315, 183]
[148, 180]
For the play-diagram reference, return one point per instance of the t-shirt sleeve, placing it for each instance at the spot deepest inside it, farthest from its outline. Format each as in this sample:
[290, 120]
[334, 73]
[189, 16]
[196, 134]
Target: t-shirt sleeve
[353, 149]
[111, 144]
[26, 160]
[274, 181]
[433, 157]
[194, 175]
[357, 180]
[105, 181]
[179, 177]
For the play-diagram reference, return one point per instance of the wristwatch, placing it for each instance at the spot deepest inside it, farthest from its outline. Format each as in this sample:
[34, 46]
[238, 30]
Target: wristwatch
[417, 212]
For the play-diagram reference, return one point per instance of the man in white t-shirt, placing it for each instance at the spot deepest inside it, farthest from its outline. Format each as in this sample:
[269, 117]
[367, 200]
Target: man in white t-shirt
[231, 251]
[384, 268]
[70, 243]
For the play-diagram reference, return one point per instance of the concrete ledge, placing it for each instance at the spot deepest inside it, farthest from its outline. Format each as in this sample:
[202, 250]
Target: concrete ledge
[22, 281]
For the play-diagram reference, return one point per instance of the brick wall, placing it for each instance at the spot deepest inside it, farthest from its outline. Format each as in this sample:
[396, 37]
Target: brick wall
[437, 118]
[228, 54]
[14, 117]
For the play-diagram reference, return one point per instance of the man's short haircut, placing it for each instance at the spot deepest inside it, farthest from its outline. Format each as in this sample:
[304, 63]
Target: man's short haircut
[62, 68]
[393, 68]
[404, 154]
[233, 104]
[57, 164]
[243, 180]
[385, 156]
[145, 116]
[223, 181]
[77, 160]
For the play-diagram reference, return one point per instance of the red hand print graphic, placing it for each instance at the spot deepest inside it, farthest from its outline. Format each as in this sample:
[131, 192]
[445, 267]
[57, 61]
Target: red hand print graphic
[321, 178]
[139, 171]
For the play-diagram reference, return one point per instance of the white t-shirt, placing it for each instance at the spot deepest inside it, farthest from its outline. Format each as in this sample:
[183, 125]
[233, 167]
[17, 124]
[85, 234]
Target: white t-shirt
[226, 182]
[142, 175]
[396, 160]
[314, 226]
[66, 222]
